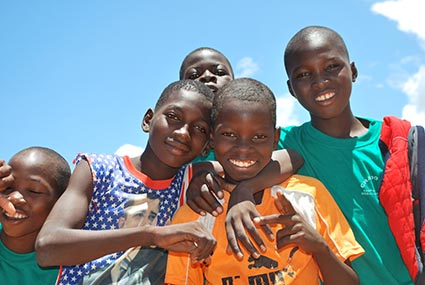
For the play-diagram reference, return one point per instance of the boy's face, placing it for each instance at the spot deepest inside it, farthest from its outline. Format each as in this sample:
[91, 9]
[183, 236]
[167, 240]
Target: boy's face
[179, 129]
[320, 77]
[208, 67]
[32, 193]
[243, 139]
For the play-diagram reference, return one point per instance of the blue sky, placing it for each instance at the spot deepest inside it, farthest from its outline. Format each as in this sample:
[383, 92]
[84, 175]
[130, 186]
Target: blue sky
[78, 76]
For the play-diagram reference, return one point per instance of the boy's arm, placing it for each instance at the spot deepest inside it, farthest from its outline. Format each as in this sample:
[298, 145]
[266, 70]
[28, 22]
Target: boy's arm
[301, 235]
[62, 234]
[242, 208]
[6, 180]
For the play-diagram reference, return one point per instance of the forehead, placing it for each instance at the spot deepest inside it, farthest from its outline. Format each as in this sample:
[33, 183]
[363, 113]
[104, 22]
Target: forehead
[205, 57]
[184, 98]
[32, 167]
[234, 110]
[313, 48]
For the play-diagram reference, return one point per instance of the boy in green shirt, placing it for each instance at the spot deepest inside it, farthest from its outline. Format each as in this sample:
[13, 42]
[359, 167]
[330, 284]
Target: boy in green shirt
[29, 187]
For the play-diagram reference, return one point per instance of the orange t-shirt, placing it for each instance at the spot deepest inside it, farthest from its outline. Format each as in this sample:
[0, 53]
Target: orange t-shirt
[310, 197]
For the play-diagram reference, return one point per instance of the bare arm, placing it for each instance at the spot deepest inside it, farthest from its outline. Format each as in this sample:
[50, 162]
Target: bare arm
[61, 235]
[241, 210]
[297, 232]
[206, 183]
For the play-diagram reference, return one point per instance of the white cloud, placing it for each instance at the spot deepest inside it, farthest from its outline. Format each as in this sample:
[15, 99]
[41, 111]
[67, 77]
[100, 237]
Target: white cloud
[246, 67]
[130, 150]
[414, 111]
[285, 111]
[409, 16]
[407, 13]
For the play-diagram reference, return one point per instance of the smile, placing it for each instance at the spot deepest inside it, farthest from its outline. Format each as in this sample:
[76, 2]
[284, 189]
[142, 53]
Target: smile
[242, 163]
[325, 97]
[16, 216]
[177, 145]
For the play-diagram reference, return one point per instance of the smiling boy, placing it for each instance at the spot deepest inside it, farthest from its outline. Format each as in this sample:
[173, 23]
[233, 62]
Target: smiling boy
[36, 177]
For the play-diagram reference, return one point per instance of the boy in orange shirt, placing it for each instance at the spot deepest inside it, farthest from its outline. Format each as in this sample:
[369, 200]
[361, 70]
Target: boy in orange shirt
[312, 242]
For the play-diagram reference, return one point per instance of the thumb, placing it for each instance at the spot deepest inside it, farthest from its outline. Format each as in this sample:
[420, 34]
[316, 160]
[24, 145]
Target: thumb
[6, 205]
[224, 184]
[283, 205]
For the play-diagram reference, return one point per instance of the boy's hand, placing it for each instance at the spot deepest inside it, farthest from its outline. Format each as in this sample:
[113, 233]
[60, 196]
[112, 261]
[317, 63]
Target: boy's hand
[192, 238]
[296, 230]
[204, 189]
[239, 220]
[6, 180]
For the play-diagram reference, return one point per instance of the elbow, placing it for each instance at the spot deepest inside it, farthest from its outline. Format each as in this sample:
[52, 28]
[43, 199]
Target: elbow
[43, 249]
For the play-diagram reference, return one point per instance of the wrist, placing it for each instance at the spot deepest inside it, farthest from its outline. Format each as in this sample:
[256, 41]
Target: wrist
[322, 252]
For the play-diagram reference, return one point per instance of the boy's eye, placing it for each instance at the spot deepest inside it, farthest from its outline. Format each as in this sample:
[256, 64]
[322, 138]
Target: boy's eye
[221, 72]
[302, 75]
[172, 116]
[201, 128]
[193, 76]
[228, 134]
[260, 137]
[35, 192]
[332, 67]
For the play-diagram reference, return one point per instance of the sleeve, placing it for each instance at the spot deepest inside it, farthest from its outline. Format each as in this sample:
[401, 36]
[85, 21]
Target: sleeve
[180, 270]
[333, 226]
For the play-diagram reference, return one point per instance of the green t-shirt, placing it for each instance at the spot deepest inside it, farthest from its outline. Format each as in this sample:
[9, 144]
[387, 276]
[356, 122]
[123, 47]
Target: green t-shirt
[352, 170]
[22, 269]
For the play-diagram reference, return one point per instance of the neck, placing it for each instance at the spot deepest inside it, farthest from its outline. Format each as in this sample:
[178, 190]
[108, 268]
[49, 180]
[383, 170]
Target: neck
[19, 245]
[346, 126]
[151, 166]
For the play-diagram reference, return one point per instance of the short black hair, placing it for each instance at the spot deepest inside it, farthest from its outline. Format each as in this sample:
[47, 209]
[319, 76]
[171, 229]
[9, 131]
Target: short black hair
[308, 32]
[246, 90]
[181, 73]
[58, 166]
[188, 85]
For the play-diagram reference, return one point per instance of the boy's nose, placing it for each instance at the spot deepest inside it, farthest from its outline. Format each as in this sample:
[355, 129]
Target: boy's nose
[207, 76]
[183, 131]
[320, 80]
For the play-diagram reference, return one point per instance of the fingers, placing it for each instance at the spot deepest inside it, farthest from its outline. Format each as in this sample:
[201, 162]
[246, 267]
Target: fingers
[201, 194]
[275, 219]
[6, 177]
[203, 249]
[237, 234]
[283, 205]
[6, 180]
[223, 185]
[233, 243]
[6, 205]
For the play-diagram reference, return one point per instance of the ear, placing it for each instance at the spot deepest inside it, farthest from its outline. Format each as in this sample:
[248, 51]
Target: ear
[276, 137]
[290, 89]
[147, 118]
[354, 71]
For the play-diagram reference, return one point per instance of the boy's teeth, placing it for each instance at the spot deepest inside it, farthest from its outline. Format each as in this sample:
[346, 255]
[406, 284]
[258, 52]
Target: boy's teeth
[16, 215]
[242, 163]
[325, 97]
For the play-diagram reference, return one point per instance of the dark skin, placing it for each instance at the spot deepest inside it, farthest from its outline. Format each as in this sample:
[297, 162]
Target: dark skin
[206, 185]
[298, 231]
[209, 67]
[243, 139]
[320, 77]
[178, 131]
[30, 188]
